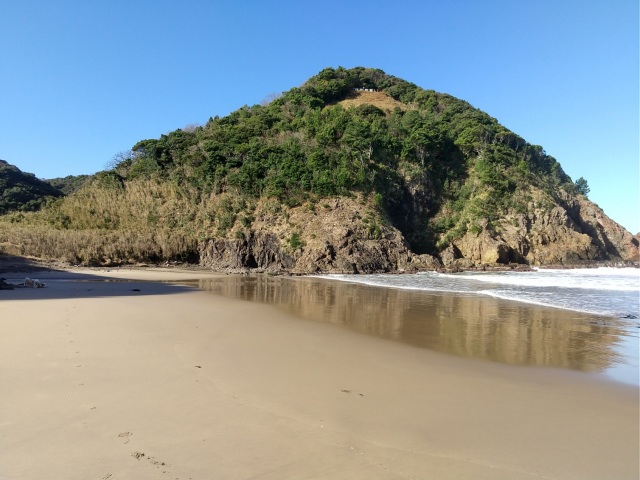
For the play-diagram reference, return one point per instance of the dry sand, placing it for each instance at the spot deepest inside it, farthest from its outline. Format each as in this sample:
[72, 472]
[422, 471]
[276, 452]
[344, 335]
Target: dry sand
[119, 380]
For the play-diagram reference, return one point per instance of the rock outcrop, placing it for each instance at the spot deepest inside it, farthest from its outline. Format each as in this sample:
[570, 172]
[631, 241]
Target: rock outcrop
[346, 235]
[573, 232]
[340, 235]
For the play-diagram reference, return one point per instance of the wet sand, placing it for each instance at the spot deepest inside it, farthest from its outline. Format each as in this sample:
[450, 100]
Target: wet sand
[472, 326]
[139, 380]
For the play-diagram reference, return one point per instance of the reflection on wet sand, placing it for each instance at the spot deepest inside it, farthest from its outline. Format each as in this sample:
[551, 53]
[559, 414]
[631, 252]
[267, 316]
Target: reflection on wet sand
[466, 325]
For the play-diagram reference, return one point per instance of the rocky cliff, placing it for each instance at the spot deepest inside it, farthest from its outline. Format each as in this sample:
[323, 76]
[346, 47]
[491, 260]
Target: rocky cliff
[347, 235]
[338, 235]
[572, 232]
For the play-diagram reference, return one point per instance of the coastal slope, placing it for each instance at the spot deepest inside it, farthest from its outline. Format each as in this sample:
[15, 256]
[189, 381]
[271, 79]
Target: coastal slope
[354, 171]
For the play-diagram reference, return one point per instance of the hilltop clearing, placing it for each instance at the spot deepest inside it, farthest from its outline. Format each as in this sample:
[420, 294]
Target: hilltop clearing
[381, 100]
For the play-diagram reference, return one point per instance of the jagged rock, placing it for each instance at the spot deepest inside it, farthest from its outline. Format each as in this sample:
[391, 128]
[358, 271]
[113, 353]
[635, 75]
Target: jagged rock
[484, 249]
[340, 236]
[450, 254]
[574, 231]
[423, 262]
[260, 251]
[611, 237]
[345, 235]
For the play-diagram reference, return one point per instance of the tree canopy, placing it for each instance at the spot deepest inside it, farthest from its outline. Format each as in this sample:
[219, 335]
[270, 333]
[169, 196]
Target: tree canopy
[306, 144]
[22, 191]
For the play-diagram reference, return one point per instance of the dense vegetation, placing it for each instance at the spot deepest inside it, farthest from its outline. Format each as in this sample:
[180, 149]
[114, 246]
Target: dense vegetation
[433, 166]
[22, 191]
[70, 183]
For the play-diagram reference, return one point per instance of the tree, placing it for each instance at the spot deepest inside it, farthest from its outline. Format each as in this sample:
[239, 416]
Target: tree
[121, 162]
[425, 142]
[270, 98]
[582, 186]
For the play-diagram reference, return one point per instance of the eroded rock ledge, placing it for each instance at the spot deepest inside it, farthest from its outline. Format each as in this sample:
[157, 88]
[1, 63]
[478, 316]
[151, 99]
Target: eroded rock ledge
[345, 236]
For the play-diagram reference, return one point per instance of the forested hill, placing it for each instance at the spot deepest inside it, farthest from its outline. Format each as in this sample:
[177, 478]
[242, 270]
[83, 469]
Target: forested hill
[70, 183]
[22, 191]
[361, 130]
[354, 130]
[355, 170]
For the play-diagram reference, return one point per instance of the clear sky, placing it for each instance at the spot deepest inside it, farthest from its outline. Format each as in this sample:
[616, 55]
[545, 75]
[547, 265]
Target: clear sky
[83, 80]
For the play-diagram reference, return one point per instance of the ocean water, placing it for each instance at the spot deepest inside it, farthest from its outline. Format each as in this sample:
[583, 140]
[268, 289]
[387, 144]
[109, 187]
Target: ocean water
[611, 292]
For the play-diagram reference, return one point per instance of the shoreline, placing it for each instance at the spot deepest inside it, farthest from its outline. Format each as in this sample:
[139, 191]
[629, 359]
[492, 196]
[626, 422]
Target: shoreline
[467, 325]
[98, 380]
[12, 263]
[567, 327]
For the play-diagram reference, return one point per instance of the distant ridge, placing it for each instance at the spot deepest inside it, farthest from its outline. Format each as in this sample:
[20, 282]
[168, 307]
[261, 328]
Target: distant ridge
[20, 191]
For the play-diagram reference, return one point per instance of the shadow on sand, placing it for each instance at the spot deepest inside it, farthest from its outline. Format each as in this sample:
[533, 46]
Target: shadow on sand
[61, 284]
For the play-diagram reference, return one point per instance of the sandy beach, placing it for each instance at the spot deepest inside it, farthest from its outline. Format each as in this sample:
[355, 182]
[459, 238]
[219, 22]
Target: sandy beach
[115, 380]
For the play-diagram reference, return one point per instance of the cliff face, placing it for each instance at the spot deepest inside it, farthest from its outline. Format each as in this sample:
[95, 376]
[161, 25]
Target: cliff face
[572, 232]
[345, 235]
[339, 235]
[612, 237]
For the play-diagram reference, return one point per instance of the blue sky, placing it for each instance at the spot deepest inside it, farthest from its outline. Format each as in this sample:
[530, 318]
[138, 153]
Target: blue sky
[83, 80]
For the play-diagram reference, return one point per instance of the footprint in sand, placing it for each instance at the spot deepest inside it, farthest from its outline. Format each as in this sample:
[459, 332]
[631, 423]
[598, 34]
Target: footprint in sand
[156, 463]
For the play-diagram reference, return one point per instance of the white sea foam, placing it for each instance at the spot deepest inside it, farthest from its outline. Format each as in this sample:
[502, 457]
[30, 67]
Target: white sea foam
[627, 280]
[601, 291]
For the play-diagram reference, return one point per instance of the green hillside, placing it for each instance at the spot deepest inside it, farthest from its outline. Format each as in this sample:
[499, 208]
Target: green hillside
[307, 145]
[70, 183]
[426, 163]
[21, 191]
